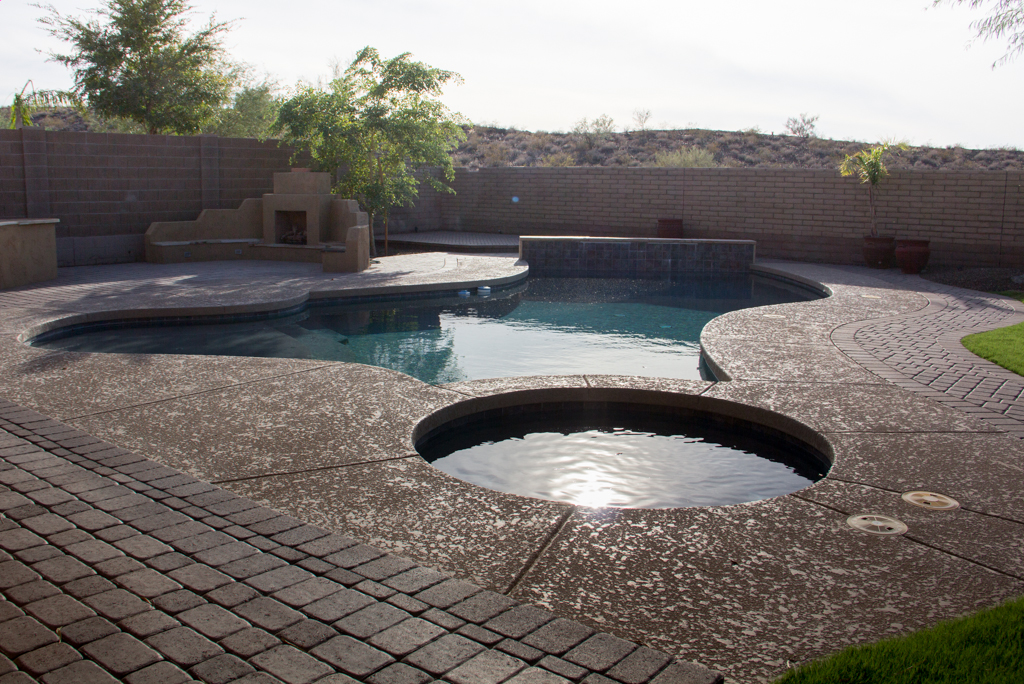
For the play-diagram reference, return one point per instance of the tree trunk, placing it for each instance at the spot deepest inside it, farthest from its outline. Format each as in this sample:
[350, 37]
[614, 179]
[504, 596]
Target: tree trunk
[373, 241]
[871, 204]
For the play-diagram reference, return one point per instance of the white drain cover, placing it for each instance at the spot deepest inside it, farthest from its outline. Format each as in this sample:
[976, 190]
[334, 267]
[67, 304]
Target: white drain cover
[876, 524]
[937, 502]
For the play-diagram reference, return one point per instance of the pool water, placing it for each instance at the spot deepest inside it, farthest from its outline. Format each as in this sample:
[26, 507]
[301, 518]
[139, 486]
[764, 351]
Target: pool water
[631, 458]
[543, 326]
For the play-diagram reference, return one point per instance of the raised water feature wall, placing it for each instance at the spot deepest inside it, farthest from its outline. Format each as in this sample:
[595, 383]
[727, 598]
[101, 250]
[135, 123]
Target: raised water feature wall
[653, 258]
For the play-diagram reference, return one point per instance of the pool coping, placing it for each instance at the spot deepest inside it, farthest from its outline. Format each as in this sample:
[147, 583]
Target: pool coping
[572, 567]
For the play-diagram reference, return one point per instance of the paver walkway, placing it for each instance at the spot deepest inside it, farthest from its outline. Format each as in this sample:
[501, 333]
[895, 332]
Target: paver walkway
[114, 567]
[922, 353]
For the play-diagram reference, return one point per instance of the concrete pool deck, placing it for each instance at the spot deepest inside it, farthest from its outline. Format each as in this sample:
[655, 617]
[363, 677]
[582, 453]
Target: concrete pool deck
[744, 589]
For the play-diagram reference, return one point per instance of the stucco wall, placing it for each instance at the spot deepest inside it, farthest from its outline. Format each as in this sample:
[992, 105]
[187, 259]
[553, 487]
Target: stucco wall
[107, 189]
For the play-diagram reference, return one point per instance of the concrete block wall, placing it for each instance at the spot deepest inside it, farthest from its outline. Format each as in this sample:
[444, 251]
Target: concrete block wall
[107, 188]
[971, 218]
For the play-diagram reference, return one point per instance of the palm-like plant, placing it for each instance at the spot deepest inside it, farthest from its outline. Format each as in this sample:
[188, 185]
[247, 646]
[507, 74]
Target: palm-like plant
[869, 166]
[25, 103]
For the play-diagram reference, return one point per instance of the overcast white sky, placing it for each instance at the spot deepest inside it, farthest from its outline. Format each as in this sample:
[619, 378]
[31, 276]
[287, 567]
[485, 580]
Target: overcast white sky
[870, 69]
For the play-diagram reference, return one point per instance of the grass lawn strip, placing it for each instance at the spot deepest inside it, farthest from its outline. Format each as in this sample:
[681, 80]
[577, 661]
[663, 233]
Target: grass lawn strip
[1004, 346]
[984, 648]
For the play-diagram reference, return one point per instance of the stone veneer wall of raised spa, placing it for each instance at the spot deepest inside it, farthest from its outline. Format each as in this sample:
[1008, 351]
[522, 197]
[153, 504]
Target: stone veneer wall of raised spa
[590, 257]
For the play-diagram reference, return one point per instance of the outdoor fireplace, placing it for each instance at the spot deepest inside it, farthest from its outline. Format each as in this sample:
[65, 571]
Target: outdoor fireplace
[290, 227]
[298, 212]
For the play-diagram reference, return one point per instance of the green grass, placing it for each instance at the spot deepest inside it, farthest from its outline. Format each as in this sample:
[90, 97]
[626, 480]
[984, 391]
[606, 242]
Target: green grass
[1015, 294]
[1004, 346]
[984, 648]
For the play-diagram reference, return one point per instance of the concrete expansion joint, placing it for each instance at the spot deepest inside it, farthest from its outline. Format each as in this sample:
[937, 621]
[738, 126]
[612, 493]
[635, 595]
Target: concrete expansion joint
[199, 393]
[546, 544]
[897, 492]
[968, 559]
[285, 473]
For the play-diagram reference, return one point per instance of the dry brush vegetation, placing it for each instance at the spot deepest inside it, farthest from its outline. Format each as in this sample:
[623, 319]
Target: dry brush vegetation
[490, 146]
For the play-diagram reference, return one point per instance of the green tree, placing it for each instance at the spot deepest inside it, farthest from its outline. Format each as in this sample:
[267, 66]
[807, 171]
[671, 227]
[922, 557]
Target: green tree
[869, 166]
[1005, 21]
[133, 60]
[378, 123]
[252, 114]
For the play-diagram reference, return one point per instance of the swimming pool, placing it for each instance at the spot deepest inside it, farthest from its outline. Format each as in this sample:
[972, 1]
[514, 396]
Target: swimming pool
[540, 326]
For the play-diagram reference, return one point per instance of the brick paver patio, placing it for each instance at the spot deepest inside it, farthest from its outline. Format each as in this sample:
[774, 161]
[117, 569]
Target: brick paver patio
[922, 353]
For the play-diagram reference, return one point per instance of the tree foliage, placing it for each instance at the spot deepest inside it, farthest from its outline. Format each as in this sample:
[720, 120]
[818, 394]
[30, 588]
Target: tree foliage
[376, 124]
[25, 103]
[252, 114]
[1005, 22]
[869, 166]
[134, 60]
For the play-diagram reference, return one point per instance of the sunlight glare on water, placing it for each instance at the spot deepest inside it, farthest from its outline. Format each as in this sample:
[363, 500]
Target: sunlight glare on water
[625, 468]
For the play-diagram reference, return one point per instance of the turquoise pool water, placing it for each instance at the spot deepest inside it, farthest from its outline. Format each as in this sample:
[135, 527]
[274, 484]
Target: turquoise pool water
[543, 326]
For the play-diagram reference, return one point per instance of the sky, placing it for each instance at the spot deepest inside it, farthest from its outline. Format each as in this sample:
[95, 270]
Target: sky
[869, 69]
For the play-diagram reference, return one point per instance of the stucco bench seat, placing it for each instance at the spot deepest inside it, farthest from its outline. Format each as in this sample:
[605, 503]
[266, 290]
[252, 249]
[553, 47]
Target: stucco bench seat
[179, 243]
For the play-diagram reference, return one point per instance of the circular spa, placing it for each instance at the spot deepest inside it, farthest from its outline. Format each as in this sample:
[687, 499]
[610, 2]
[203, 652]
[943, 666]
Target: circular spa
[623, 453]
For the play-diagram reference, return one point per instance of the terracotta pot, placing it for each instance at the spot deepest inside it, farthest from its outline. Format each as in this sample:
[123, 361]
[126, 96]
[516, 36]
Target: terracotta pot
[912, 255]
[878, 251]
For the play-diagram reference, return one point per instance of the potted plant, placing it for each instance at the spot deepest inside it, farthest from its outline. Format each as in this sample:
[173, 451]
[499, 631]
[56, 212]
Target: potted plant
[869, 166]
[912, 255]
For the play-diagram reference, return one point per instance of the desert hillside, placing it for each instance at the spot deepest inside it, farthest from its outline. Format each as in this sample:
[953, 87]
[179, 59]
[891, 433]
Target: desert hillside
[694, 147]
[492, 146]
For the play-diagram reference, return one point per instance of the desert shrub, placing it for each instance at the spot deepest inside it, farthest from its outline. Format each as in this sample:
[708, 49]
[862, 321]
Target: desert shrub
[496, 154]
[558, 159]
[588, 134]
[685, 158]
[539, 142]
[641, 119]
[802, 127]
